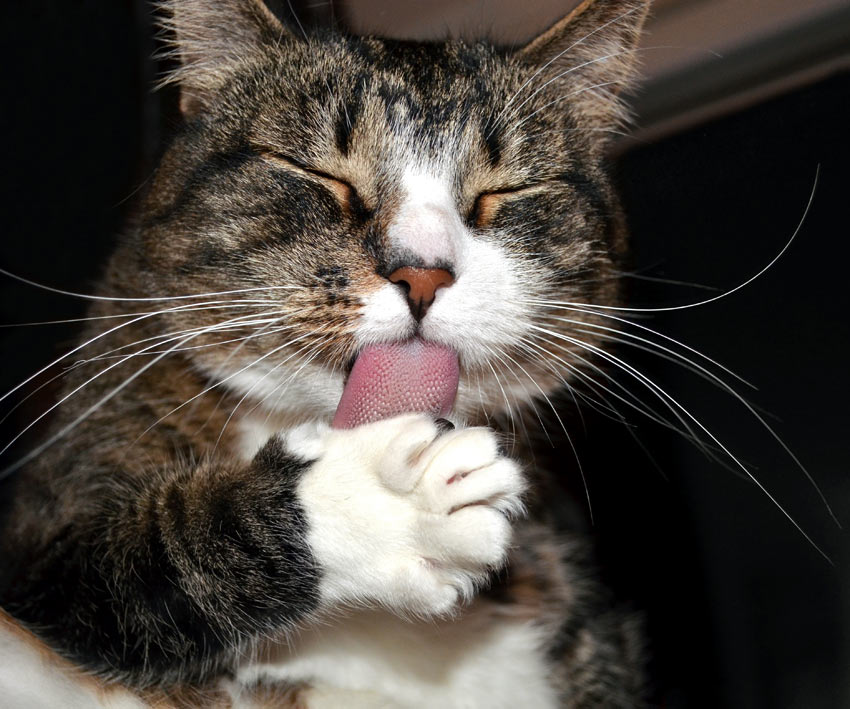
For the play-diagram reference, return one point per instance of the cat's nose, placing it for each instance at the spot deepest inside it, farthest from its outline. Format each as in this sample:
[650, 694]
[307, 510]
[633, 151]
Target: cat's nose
[421, 286]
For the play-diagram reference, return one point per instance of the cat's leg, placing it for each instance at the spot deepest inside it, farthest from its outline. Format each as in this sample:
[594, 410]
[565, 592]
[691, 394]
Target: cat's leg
[170, 575]
[159, 575]
[402, 514]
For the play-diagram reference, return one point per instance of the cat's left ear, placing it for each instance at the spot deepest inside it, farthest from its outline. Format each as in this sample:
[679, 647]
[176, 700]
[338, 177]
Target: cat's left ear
[210, 38]
[588, 57]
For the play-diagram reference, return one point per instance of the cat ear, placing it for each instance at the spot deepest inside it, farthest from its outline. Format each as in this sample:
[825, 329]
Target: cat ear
[208, 38]
[587, 58]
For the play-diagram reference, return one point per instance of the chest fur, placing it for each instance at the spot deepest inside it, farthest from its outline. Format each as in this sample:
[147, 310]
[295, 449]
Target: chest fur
[478, 660]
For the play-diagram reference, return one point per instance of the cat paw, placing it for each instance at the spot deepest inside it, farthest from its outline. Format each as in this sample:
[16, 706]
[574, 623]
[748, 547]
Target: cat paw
[404, 513]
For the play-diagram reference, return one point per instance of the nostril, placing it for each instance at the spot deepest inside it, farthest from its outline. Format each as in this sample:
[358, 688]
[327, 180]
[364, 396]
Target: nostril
[421, 286]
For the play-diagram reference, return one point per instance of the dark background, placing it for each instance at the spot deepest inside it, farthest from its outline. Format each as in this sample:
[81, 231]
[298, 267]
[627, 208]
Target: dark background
[743, 612]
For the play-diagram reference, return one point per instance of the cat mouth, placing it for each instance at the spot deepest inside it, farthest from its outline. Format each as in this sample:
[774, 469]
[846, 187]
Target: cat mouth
[390, 379]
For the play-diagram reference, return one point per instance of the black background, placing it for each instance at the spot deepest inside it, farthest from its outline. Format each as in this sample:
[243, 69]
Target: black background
[742, 610]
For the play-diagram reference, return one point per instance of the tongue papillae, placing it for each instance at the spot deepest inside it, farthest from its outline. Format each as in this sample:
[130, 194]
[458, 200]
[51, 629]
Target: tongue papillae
[402, 377]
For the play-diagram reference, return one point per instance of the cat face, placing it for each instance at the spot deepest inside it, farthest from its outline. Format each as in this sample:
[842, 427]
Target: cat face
[367, 191]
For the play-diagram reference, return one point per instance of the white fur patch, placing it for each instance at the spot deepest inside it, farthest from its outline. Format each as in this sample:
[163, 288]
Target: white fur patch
[310, 391]
[32, 678]
[254, 434]
[385, 317]
[406, 518]
[427, 223]
[372, 659]
[482, 312]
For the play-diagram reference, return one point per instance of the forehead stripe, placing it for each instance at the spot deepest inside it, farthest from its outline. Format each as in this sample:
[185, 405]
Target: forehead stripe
[348, 114]
[343, 131]
[491, 136]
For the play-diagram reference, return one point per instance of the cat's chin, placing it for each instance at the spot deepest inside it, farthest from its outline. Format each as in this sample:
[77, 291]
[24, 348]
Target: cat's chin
[292, 395]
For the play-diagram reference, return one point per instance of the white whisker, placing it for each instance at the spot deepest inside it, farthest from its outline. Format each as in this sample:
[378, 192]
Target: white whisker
[633, 401]
[530, 402]
[103, 334]
[566, 433]
[724, 294]
[717, 381]
[311, 355]
[508, 408]
[231, 325]
[516, 126]
[667, 397]
[38, 450]
[218, 383]
[649, 330]
[156, 299]
[259, 381]
[121, 361]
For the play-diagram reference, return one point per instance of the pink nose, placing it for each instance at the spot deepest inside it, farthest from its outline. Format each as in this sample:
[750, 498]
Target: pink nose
[421, 285]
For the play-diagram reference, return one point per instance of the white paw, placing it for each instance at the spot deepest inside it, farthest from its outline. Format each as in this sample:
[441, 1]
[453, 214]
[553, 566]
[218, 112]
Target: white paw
[404, 515]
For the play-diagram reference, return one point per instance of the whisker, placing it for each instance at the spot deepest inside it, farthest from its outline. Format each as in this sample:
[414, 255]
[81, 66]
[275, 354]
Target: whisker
[311, 355]
[637, 404]
[297, 21]
[576, 67]
[156, 299]
[686, 432]
[255, 384]
[649, 330]
[543, 356]
[665, 281]
[115, 316]
[38, 450]
[702, 372]
[530, 402]
[97, 358]
[481, 398]
[566, 433]
[724, 294]
[516, 126]
[654, 387]
[281, 387]
[236, 324]
[716, 381]
[508, 408]
[222, 366]
[217, 384]
[121, 361]
[101, 335]
[535, 356]
[614, 414]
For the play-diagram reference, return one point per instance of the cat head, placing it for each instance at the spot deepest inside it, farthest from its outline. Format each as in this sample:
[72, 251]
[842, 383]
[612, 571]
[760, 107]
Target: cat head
[366, 191]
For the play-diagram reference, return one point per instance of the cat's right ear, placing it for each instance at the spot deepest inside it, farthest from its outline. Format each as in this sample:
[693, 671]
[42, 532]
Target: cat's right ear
[209, 38]
[588, 57]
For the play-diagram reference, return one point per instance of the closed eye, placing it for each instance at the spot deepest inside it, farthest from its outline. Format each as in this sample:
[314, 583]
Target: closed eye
[487, 203]
[342, 190]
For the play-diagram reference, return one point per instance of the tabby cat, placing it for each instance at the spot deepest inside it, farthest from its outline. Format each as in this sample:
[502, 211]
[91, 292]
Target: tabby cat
[279, 473]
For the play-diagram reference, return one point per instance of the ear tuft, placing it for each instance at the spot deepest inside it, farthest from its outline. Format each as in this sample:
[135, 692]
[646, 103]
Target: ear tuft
[207, 38]
[588, 57]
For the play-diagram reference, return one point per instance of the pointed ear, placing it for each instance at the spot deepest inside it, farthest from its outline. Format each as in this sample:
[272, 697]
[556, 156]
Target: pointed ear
[588, 57]
[208, 38]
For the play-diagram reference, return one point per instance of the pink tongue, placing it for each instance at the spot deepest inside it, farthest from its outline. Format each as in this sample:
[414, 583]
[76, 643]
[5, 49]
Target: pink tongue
[398, 378]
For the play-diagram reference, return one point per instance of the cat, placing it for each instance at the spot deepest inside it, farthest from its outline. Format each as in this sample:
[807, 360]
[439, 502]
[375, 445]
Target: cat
[281, 472]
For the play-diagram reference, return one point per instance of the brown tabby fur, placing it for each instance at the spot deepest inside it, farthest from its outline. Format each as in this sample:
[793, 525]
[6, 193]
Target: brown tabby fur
[229, 210]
